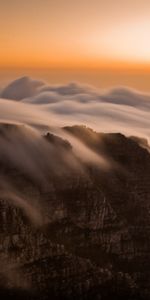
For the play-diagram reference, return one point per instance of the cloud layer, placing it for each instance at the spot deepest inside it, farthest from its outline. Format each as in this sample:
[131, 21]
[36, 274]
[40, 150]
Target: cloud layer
[39, 104]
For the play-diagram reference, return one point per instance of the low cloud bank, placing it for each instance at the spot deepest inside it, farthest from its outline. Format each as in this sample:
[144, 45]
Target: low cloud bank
[39, 104]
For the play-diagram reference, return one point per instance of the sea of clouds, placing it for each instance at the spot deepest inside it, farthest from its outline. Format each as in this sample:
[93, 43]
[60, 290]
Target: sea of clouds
[32, 102]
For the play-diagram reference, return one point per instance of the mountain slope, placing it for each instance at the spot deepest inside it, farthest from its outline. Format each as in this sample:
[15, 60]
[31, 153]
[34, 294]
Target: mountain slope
[82, 232]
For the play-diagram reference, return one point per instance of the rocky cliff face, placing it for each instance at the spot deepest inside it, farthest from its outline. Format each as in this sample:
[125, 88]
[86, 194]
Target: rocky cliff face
[79, 233]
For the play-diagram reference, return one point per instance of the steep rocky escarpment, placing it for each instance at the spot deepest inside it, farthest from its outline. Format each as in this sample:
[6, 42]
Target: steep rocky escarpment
[74, 232]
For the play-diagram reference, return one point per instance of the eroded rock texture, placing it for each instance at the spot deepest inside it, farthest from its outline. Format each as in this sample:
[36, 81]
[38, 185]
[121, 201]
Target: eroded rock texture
[81, 233]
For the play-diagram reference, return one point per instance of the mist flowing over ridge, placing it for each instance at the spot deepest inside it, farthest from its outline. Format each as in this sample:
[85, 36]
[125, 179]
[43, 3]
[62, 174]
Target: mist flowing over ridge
[74, 192]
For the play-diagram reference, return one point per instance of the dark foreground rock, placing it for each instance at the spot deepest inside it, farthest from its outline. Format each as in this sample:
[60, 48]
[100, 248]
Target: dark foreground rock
[81, 233]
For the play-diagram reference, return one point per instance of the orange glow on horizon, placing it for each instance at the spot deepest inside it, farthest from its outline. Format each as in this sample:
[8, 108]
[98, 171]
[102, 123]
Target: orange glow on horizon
[75, 64]
[75, 35]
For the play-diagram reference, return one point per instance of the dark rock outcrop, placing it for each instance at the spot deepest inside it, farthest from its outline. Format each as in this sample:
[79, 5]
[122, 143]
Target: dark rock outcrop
[93, 237]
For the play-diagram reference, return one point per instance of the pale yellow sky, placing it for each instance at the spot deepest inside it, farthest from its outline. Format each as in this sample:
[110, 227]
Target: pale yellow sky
[75, 34]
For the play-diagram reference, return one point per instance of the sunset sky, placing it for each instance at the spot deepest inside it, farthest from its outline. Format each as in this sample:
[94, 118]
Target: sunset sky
[75, 34]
